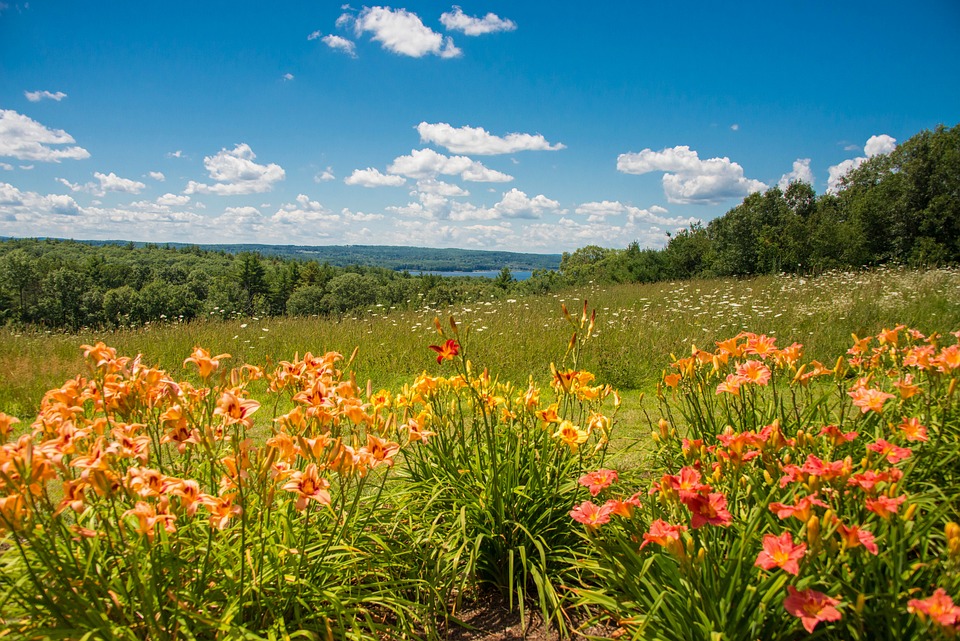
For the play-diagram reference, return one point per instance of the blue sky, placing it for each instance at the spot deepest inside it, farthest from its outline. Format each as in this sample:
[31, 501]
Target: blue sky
[525, 126]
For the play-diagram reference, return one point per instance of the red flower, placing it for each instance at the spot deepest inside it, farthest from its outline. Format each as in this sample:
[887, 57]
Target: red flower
[711, 509]
[893, 453]
[802, 509]
[446, 351]
[591, 515]
[854, 536]
[811, 607]
[884, 506]
[781, 552]
[663, 534]
[598, 481]
[938, 607]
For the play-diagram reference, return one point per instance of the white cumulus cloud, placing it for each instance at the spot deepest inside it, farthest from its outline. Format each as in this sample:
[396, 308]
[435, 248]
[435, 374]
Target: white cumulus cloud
[477, 140]
[597, 212]
[401, 32]
[157, 175]
[371, 177]
[37, 96]
[172, 200]
[16, 205]
[687, 178]
[876, 145]
[235, 172]
[338, 43]
[882, 144]
[23, 138]
[800, 173]
[113, 182]
[305, 212]
[440, 188]
[516, 204]
[324, 176]
[457, 20]
[105, 183]
[426, 163]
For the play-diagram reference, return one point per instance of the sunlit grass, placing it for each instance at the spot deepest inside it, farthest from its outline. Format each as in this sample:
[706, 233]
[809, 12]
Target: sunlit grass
[637, 325]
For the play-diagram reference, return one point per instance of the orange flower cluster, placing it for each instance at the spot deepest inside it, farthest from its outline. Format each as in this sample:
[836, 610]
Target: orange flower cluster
[170, 452]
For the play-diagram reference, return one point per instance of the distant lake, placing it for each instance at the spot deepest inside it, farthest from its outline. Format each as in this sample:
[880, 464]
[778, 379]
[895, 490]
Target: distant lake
[517, 274]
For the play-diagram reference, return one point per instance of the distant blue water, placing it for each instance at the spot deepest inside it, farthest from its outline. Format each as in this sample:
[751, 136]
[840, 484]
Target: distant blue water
[517, 275]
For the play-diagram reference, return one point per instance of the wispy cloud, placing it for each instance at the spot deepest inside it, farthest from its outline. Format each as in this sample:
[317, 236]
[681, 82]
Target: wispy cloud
[37, 96]
[457, 20]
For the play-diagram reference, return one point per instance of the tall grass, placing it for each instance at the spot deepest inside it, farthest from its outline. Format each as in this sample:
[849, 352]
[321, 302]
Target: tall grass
[636, 326]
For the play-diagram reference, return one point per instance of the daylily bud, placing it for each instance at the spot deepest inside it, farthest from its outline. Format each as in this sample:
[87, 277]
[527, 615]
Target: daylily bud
[664, 428]
[691, 546]
[952, 530]
[951, 387]
[701, 555]
[453, 324]
[910, 512]
[861, 601]
[655, 436]
[436, 323]
[744, 481]
[768, 478]
[787, 458]
[813, 531]
[829, 517]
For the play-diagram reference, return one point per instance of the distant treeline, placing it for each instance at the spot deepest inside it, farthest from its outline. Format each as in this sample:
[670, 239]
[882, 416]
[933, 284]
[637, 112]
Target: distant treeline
[399, 258]
[903, 208]
[64, 284]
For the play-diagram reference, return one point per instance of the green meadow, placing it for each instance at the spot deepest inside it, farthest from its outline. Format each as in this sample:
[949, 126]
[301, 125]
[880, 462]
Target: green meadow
[637, 461]
[638, 326]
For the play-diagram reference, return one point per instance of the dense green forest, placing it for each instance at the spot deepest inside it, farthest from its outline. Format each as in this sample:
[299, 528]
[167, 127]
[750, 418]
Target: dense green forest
[903, 207]
[70, 284]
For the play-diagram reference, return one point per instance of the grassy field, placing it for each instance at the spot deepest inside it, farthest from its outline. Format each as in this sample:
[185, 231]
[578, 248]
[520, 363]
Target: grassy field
[637, 328]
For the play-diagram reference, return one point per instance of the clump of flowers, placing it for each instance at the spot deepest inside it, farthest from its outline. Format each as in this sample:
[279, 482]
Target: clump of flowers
[140, 504]
[795, 485]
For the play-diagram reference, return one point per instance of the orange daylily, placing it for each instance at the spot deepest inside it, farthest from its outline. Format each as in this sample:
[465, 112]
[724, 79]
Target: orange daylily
[939, 607]
[205, 364]
[781, 552]
[598, 480]
[308, 485]
[593, 516]
[236, 409]
[446, 351]
[811, 607]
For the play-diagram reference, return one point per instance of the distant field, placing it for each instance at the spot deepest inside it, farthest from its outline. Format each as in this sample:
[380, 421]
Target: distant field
[637, 328]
